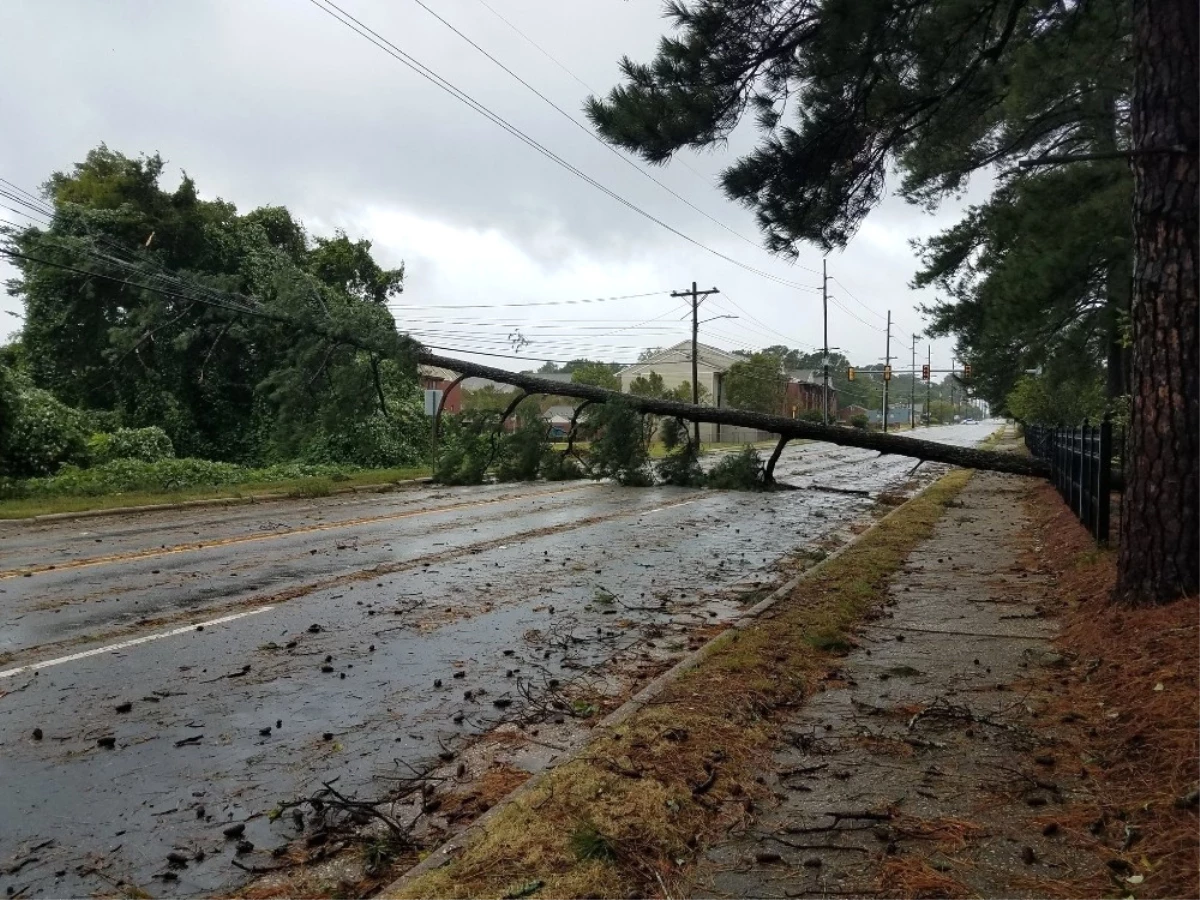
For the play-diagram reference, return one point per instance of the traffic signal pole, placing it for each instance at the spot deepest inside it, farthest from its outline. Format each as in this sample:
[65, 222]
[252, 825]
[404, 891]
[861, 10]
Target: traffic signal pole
[912, 389]
[928, 386]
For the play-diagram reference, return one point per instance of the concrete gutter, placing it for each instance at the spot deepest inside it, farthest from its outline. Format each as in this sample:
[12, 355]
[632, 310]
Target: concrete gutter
[382, 488]
[444, 854]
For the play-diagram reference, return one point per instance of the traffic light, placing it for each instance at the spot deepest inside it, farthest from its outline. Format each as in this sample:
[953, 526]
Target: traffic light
[966, 370]
[850, 374]
[924, 373]
[887, 373]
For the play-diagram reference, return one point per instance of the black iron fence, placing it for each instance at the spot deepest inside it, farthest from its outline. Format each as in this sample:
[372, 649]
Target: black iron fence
[1081, 467]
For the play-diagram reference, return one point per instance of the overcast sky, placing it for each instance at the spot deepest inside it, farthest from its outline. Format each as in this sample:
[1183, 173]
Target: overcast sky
[274, 102]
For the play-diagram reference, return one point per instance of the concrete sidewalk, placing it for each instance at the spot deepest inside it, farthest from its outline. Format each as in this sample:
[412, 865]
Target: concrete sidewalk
[907, 774]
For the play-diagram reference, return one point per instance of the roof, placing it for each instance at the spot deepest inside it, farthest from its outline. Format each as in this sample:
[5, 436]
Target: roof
[807, 376]
[476, 384]
[710, 357]
[436, 372]
[564, 411]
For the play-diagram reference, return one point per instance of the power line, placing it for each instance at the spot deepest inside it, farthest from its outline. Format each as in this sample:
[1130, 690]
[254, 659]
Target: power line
[340, 15]
[419, 306]
[591, 90]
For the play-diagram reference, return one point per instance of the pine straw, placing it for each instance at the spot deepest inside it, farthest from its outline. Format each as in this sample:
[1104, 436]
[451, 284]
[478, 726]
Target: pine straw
[908, 876]
[1139, 742]
[678, 772]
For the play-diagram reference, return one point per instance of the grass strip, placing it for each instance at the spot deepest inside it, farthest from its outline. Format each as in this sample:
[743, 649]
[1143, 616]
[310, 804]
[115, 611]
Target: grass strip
[309, 486]
[627, 816]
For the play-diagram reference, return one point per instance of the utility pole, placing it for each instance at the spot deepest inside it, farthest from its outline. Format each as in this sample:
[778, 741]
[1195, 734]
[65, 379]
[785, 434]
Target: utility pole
[887, 361]
[928, 386]
[825, 357]
[697, 297]
[912, 389]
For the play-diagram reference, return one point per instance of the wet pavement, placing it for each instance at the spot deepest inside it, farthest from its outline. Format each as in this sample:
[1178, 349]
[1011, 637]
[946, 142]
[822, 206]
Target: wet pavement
[166, 675]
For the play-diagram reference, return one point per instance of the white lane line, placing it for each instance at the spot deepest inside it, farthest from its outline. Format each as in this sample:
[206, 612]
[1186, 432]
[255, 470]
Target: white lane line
[132, 642]
[669, 506]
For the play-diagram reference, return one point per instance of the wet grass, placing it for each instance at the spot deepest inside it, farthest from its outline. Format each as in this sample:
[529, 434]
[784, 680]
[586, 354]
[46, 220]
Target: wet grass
[655, 789]
[299, 488]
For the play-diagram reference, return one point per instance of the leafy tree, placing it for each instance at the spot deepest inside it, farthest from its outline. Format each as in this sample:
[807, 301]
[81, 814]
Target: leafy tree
[756, 384]
[153, 337]
[598, 374]
[1040, 399]
[648, 385]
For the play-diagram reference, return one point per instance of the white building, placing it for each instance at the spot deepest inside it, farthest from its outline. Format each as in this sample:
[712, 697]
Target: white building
[674, 366]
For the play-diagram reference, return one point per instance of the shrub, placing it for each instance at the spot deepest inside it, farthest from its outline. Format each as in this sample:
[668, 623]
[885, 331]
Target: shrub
[376, 442]
[43, 435]
[859, 421]
[163, 476]
[146, 444]
[741, 471]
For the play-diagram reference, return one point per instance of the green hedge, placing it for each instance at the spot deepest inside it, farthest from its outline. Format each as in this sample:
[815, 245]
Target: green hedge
[164, 476]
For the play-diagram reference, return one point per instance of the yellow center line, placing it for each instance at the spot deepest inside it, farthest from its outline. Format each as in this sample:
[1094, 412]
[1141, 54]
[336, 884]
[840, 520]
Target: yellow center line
[270, 536]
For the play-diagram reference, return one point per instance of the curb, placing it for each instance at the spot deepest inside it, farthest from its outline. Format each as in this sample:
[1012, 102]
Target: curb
[443, 854]
[384, 487]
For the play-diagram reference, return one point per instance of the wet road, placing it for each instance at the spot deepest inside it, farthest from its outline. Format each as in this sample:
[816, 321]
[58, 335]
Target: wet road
[167, 674]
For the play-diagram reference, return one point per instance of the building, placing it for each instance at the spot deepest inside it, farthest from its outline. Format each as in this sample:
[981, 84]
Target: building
[846, 413]
[674, 366]
[558, 421]
[805, 391]
[435, 378]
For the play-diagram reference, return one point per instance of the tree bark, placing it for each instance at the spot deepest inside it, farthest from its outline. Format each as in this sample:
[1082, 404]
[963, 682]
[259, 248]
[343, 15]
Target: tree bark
[784, 427]
[1158, 556]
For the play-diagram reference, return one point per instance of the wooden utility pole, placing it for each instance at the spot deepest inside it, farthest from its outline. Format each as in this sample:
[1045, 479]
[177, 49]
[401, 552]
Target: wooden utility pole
[887, 362]
[697, 297]
[825, 356]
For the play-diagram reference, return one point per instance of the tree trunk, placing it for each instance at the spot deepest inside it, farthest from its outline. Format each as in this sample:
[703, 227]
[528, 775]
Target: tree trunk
[791, 428]
[1158, 557]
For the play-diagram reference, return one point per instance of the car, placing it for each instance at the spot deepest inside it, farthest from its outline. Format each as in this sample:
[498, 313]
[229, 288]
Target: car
[970, 422]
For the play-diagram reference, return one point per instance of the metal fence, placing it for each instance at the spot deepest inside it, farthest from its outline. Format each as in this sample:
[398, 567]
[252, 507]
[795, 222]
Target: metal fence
[1081, 468]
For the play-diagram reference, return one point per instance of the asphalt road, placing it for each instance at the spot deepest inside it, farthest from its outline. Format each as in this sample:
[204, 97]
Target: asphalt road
[234, 657]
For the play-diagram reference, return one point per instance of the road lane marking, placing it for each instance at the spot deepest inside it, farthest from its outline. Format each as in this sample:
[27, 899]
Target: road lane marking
[136, 555]
[132, 642]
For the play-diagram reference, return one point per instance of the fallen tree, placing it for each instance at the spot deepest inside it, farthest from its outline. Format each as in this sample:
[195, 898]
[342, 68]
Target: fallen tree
[965, 457]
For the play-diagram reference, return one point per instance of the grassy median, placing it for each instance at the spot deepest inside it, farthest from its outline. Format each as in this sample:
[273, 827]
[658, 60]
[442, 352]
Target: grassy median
[626, 817]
